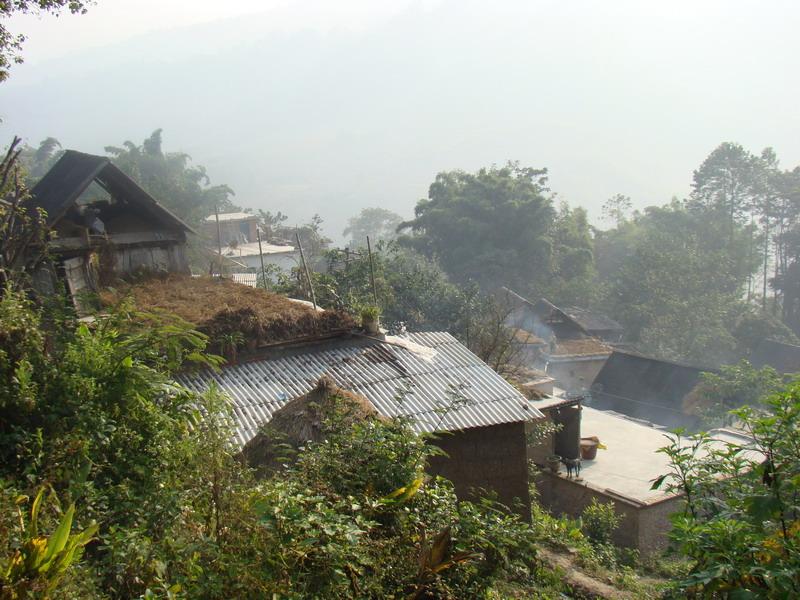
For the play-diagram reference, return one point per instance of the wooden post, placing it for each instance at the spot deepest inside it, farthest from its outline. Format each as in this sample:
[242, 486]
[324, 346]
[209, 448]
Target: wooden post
[219, 239]
[261, 257]
[305, 268]
[372, 273]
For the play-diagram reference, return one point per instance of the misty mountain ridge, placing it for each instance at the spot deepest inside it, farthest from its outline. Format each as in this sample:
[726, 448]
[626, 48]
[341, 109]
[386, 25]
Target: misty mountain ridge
[308, 121]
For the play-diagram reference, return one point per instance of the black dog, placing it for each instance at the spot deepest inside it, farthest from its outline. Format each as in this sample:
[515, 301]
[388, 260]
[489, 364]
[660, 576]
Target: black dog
[573, 466]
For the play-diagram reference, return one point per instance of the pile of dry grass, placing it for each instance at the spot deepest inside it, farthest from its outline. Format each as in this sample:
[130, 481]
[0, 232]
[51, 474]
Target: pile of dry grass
[221, 308]
[302, 420]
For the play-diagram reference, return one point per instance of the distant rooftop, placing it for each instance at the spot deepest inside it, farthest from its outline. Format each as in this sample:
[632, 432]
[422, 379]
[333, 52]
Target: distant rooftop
[413, 376]
[233, 216]
[590, 320]
[580, 347]
[783, 357]
[251, 249]
[647, 388]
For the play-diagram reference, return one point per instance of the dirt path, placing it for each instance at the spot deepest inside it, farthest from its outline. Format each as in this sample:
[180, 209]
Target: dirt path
[584, 584]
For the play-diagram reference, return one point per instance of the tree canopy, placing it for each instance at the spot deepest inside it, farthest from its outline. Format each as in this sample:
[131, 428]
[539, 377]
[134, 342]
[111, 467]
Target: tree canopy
[169, 177]
[492, 227]
[378, 223]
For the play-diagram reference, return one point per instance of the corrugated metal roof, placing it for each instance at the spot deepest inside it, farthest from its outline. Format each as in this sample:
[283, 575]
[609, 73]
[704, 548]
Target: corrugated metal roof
[398, 378]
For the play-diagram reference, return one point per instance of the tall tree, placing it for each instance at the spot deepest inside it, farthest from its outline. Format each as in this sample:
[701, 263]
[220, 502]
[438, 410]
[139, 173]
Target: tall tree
[37, 161]
[492, 227]
[171, 179]
[675, 279]
[573, 275]
[727, 182]
[379, 224]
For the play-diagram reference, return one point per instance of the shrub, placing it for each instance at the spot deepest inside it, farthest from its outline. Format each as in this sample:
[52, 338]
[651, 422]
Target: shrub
[599, 522]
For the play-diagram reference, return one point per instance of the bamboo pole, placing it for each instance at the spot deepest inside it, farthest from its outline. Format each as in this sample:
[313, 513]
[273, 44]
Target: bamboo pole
[261, 257]
[372, 273]
[219, 238]
[305, 269]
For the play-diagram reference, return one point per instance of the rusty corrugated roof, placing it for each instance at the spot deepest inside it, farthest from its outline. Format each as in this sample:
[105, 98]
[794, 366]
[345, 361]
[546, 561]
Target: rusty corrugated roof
[415, 376]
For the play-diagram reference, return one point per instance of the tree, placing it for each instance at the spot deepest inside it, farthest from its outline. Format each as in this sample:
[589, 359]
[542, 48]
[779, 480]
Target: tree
[728, 182]
[740, 527]
[492, 227]
[732, 387]
[379, 224]
[786, 216]
[675, 279]
[573, 277]
[412, 290]
[23, 232]
[617, 209]
[38, 161]
[168, 176]
[10, 43]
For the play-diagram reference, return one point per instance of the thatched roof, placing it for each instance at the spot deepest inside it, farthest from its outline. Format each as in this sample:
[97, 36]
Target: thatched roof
[302, 420]
[219, 307]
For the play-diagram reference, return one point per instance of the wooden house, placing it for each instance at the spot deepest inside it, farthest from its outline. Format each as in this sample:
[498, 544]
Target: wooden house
[103, 225]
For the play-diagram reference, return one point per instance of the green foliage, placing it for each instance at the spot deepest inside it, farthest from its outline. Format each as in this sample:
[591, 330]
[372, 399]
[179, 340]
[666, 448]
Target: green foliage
[599, 522]
[573, 278]
[492, 227]
[40, 562]
[741, 526]
[734, 386]
[23, 232]
[411, 289]
[370, 313]
[379, 224]
[675, 279]
[170, 178]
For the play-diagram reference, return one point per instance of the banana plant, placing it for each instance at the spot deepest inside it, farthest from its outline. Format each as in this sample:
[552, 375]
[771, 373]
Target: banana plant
[42, 561]
[435, 557]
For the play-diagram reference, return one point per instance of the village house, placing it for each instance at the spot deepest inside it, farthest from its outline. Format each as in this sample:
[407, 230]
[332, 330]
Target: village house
[647, 389]
[103, 226]
[236, 235]
[564, 343]
[428, 378]
[622, 472]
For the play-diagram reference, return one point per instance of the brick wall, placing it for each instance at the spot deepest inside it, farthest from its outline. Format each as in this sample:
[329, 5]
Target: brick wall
[492, 458]
[562, 496]
[644, 527]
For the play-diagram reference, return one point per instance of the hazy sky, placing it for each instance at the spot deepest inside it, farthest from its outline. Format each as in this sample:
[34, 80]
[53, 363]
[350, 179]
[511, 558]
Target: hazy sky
[333, 106]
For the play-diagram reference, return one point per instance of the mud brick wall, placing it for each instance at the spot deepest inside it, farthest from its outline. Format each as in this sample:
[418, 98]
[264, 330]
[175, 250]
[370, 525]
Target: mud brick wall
[493, 458]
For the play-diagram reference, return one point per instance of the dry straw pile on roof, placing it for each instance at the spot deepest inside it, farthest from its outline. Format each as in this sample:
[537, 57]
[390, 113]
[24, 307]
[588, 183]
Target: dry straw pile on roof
[219, 307]
[302, 420]
[581, 346]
